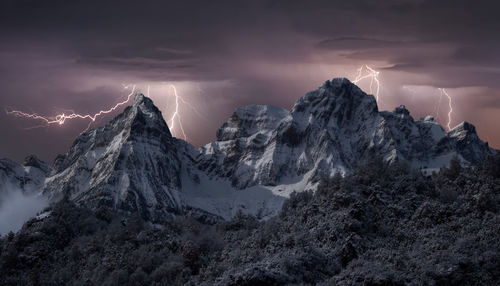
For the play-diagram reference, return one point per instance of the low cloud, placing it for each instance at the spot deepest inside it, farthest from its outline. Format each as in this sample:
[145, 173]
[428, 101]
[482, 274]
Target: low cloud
[16, 208]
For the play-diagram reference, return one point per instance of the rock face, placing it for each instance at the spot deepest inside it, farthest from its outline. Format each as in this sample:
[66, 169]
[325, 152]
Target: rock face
[261, 155]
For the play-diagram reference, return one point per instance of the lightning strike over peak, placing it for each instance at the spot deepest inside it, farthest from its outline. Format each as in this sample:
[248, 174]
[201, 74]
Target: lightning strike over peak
[175, 121]
[60, 119]
[373, 75]
[450, 111]
[439, 104]
[175, 115]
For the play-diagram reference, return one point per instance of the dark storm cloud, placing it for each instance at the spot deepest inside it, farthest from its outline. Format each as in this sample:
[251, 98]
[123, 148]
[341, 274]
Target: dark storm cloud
[456, 41]
[190, 36]
[66, 53]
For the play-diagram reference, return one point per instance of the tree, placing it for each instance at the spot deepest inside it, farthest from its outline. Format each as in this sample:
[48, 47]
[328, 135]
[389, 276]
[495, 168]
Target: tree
[454, 170]
[191, 255]
[491, 166]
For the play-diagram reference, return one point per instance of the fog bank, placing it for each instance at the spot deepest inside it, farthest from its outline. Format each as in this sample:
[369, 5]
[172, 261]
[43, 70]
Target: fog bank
[16, 208]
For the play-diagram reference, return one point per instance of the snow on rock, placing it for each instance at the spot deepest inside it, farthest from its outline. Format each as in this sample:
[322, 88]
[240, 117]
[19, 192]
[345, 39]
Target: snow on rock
[464, 139]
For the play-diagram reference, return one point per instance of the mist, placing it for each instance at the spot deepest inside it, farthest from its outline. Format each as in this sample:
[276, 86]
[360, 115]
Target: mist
[16, 208]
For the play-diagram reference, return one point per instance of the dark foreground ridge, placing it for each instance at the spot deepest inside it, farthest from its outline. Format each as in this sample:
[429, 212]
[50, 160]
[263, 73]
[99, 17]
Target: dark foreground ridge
[380, 225]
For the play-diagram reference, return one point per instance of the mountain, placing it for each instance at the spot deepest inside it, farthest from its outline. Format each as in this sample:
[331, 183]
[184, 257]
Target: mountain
[261, 155]
[130, 164]
[133, 164]
[335, 128]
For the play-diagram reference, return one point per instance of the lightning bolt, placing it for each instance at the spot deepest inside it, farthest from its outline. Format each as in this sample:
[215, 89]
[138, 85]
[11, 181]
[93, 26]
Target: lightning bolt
[372, 75]
[450, 110]
[176, 115]
[439, 103]
[60, 119]
[175, 121]
[442, 93]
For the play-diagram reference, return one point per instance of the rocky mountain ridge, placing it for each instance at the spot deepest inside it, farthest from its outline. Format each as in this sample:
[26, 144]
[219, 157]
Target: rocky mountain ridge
[261, 155]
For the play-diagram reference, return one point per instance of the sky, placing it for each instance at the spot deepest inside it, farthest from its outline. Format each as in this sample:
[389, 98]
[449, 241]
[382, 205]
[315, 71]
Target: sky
[60, 56]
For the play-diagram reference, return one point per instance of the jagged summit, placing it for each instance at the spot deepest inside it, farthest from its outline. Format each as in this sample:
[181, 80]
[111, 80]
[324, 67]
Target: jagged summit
[139, 98]
[143, 114]
[146, 106]
[401, 110]
[333, 96]
[142, 119]
[464, 129]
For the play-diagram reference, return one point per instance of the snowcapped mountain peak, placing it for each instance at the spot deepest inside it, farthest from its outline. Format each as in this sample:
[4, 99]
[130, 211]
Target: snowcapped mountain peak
[144, 116]
[139, 121]
[337, 102]
[131, 164]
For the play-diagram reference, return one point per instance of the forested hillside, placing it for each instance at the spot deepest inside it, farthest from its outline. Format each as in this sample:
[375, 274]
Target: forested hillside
[381, 225]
